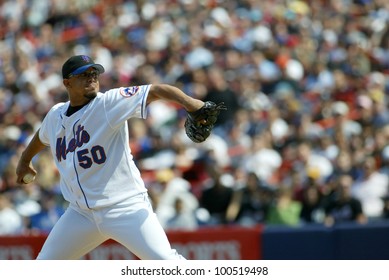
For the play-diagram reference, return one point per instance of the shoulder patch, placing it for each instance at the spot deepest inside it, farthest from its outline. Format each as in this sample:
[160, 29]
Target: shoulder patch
[129, 91]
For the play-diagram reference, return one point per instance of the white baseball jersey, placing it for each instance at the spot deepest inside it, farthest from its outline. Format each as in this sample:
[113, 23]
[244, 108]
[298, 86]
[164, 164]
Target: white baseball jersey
[91, 147]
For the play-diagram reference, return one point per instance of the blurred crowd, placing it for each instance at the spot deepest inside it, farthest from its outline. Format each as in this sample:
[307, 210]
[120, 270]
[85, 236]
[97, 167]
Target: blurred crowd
[305, 139]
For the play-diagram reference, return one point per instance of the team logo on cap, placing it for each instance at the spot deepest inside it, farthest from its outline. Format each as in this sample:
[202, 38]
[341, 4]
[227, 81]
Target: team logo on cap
[85, 58]
[129, 91]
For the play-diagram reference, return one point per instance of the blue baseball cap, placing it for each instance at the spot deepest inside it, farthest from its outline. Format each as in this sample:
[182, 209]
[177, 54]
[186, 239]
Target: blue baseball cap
[79, 64]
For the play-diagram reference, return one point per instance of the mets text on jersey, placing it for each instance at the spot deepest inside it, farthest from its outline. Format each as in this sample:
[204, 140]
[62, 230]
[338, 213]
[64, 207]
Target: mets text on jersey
[81, 137]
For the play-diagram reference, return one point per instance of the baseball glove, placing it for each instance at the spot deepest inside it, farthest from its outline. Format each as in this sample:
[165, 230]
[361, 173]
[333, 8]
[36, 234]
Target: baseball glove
[199, 124]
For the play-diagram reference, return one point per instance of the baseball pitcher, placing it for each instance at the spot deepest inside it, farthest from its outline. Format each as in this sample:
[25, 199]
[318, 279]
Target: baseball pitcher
[88, 137]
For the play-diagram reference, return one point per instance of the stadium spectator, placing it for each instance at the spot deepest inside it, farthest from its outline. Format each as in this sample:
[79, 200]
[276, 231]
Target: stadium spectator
[11, 222]
[262, 158]
[284, 210]
[343, 207]
[182, 219]
[174, 202]
[370, 189]
[312, 211]
[249, 203]
[216, 196]
[51, 210]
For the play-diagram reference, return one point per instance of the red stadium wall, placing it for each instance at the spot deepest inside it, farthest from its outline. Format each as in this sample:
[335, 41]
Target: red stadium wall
[232, 243]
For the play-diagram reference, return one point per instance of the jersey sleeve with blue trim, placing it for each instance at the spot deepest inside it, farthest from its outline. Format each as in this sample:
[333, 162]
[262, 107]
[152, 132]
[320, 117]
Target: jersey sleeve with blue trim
[46, 127]
[126, 102]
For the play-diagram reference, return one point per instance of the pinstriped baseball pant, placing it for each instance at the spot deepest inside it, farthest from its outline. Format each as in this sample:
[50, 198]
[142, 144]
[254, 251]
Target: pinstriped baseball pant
[131, 223]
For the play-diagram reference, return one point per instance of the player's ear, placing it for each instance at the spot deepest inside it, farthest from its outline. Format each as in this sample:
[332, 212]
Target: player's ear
[66, 83]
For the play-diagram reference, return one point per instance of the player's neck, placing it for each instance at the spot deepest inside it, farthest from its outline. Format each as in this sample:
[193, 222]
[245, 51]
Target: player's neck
[73, 109]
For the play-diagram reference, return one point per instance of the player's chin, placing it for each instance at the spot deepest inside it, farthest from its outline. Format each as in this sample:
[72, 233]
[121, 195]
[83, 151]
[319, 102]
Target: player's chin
[90, 94]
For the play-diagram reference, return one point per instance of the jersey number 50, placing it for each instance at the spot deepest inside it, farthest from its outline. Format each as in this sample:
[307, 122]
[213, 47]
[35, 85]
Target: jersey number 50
[96, 155]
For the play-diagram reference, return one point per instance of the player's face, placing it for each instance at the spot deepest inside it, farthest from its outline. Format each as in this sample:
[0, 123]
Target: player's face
[85, 85]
